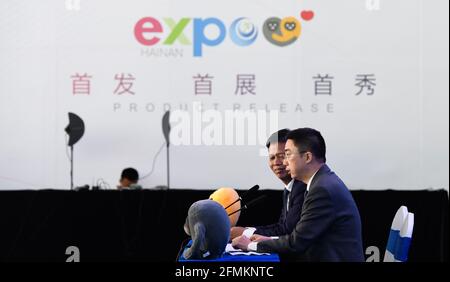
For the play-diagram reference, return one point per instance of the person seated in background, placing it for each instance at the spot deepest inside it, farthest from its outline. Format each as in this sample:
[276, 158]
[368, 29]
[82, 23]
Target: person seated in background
[129, 179]
[293, 194]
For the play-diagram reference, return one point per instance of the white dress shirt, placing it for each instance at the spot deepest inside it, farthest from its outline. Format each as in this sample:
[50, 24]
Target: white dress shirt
[249, 231]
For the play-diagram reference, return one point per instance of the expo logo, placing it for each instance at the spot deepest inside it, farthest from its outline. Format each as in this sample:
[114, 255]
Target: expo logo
[280, 32]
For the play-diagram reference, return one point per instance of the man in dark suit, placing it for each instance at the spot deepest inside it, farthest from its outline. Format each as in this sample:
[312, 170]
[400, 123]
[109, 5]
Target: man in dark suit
[293, 194]
[330, 226]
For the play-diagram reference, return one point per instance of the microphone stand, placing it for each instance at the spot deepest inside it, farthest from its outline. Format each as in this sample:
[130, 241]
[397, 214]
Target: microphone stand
[168, 166]
[71, 167]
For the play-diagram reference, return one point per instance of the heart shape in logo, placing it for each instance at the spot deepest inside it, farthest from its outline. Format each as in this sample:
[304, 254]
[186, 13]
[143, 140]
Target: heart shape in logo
[307, 15]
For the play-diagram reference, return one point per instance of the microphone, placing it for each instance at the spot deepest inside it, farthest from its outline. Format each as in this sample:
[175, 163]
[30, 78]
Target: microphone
[249, 192]
[249, 204]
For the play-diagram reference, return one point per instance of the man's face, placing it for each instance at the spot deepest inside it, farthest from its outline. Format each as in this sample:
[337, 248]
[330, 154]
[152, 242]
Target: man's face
[294, 161]
[276, 159]
[125, 182]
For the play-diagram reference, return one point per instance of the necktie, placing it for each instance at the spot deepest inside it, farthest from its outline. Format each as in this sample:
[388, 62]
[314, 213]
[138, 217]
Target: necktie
[286, 202]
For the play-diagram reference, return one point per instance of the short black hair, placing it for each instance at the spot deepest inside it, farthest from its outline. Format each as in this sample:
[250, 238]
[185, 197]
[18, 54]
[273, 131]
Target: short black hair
[130, 174]
[308, 139]
[278, 137]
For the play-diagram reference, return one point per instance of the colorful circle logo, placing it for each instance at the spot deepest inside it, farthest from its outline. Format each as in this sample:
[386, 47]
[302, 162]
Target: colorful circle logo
[282, 32]
[243, 32]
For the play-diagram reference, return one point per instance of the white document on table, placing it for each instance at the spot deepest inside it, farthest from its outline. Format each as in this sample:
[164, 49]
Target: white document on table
[234, 252]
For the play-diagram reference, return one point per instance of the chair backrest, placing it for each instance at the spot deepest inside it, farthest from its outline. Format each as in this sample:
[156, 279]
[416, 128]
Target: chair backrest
[399, 236]
[404, 241]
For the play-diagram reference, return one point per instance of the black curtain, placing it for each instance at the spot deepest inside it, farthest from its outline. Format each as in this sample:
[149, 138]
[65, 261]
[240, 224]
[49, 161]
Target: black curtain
[147, 225]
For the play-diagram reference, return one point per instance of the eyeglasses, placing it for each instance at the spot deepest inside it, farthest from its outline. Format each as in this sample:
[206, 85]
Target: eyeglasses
[288, 155]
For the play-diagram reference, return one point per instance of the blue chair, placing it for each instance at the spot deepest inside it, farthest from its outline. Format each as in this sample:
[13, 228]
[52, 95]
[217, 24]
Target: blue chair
[400, 235]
